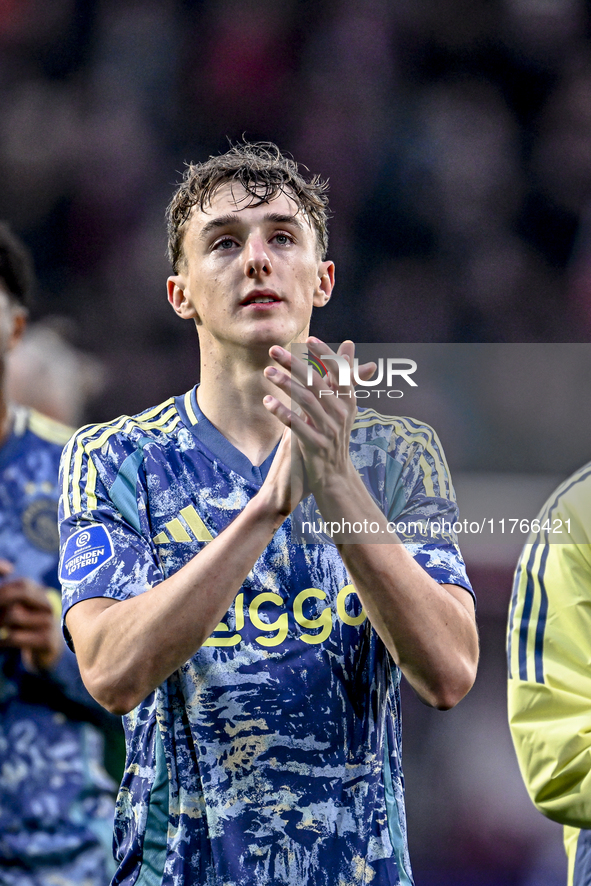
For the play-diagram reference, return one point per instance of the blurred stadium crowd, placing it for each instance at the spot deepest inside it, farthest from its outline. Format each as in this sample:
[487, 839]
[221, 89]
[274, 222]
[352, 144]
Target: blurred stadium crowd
[456, 136]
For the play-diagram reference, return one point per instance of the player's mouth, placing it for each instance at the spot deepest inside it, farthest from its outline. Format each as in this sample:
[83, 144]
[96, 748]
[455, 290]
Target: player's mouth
[260, 299]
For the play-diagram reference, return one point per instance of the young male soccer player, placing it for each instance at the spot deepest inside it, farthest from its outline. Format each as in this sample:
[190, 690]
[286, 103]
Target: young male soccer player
[549, 644]
[56, 801]
[262, 703]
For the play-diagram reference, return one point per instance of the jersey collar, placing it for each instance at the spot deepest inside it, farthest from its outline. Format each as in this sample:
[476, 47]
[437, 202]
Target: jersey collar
[201, 428]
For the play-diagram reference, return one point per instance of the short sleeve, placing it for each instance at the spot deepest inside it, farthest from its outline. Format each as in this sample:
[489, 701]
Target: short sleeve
[105, 544]
[421, 502]
[549, 646]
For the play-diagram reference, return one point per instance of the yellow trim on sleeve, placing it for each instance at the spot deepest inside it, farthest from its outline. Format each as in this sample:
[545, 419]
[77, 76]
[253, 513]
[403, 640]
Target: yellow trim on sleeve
[427, 478]
[83, 443]
[66, 460]
[536, 591]
[428, 438]
[79, 454]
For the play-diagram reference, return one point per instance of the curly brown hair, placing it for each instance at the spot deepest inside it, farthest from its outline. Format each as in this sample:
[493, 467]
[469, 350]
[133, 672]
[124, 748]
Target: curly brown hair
[263, 171]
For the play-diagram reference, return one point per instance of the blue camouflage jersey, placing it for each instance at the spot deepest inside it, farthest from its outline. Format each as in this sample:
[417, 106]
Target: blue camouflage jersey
[56, 801]
[273, 755]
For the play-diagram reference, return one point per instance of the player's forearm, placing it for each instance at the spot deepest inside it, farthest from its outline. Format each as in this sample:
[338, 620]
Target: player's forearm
[127, 649]
[431, 635]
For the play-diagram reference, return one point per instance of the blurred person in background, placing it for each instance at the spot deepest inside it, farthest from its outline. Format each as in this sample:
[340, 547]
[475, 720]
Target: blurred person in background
[259, 752]
[48, 373]
[549, 647]
[56, 800]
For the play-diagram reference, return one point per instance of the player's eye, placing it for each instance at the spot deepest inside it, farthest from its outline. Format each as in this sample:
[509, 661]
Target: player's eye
[282, 239]
[224, 243]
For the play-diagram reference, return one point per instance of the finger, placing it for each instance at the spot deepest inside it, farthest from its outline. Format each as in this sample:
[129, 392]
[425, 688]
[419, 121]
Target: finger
[304, 380]
[284, 445]
[23, 619]
[366, 370]
[302, 429]
[305, 436]
[331, 360]
[340, 365]
[285, 415]
[25, 616]
[10, 593]
[6, 567]
[294, 365]
[308, 407]
[361, 372]
[22, 638]
[34, 635]
[278, 409]
[346, 349]
[300, 368]
[286, 474]
[24, 592]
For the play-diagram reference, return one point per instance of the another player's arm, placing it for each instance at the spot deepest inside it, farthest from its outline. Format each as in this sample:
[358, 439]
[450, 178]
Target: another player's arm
[127, 648]
[549, 689]
[429, 628]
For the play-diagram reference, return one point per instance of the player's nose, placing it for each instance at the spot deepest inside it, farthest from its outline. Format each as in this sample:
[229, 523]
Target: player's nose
[256, 257]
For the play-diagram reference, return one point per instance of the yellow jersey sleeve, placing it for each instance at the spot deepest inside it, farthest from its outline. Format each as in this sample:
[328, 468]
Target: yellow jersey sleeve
[549, 657]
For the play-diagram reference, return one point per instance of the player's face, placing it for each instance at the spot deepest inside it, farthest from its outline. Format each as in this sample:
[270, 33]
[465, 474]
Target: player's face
[252, 273]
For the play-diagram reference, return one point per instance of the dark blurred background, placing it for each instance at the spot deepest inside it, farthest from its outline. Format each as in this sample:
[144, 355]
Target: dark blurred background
[457, 139]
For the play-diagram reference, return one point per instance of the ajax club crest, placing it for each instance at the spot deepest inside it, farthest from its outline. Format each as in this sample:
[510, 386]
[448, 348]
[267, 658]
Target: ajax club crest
[40, 524]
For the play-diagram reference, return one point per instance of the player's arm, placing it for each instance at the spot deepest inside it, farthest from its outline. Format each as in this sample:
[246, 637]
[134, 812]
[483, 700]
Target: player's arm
[429, 628]
[127, 648]
[549, 690]
[30, 622]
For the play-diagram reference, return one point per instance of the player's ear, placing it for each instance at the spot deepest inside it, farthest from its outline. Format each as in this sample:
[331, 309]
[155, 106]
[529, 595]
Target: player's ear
[324, 284]
[178, 296]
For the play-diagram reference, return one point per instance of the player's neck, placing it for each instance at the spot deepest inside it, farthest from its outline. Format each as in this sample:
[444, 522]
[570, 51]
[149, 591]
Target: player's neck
[231, 397]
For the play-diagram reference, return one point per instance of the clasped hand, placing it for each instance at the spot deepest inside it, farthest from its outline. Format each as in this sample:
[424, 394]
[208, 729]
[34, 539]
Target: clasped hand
[320, 420]
[27, 620]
